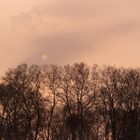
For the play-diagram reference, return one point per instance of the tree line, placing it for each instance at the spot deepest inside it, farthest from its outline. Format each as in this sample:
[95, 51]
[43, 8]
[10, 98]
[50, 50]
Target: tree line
[71, 102]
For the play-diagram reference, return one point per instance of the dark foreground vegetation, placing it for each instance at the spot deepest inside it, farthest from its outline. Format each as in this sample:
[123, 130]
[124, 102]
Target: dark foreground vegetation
[73, 102]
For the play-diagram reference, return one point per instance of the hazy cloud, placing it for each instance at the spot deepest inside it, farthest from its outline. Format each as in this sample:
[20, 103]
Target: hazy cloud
[60, 31]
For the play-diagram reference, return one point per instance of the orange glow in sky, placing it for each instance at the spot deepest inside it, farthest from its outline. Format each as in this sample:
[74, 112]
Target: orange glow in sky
[68, 31]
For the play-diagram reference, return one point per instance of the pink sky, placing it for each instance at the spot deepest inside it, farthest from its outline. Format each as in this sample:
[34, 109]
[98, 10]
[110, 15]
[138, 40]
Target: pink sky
[68, 31]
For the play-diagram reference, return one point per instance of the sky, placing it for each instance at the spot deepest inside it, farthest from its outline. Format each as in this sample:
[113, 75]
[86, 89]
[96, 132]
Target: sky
[69, 31]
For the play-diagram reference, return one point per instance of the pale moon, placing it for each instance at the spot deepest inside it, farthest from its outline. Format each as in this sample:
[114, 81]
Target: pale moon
[44, 57]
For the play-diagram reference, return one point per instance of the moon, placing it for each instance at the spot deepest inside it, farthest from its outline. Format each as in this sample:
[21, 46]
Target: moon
[44, 57]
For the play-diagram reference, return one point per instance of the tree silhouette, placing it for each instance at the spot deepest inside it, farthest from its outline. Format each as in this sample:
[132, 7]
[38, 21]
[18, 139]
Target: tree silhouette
[71, 102]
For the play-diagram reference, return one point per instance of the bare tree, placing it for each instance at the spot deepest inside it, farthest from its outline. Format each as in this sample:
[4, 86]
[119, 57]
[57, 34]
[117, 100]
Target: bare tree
[78, 93]
[51, 86]
[71, 102]
[110, 101]
[22, 103]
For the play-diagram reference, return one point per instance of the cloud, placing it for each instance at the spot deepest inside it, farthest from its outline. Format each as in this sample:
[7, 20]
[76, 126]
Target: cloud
[66, 34]
[73, 30]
